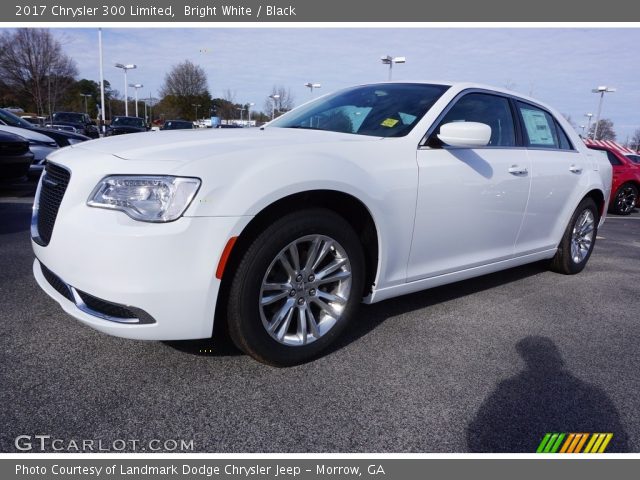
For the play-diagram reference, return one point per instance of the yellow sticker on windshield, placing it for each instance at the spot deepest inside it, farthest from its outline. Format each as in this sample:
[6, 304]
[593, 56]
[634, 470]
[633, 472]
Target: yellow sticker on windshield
[389, 122]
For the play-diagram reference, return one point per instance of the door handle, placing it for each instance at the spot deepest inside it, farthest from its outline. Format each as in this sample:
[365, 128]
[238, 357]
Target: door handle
[516, 170]
[575, 169]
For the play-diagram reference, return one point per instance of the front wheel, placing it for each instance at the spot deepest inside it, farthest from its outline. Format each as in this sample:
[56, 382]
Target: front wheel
[578, 240]
[296, 287]
[624, 201]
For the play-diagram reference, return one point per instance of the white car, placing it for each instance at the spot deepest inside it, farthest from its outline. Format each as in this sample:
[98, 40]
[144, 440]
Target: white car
[361, 195]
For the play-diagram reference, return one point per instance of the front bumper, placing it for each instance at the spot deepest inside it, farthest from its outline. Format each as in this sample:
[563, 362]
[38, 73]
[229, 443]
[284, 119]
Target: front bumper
[165, 272]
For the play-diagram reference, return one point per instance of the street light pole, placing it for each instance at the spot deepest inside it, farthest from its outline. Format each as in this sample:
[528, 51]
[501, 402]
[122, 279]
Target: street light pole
[85, 95]
[196, 105]
[311, 86]
[136, 86]
[589, 116]
[601, 90]
[125, 68]
[242, 109]
[273, 98]
[249, 105]
[103, 107]
[389, 60]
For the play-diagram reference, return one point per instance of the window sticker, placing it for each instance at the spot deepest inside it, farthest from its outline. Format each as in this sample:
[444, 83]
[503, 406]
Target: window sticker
[406, 118]
[538, 127]
[389, 122]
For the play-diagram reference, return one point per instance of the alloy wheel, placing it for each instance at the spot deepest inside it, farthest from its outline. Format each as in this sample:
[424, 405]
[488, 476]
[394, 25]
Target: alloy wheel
[582, 236]
[305, 290]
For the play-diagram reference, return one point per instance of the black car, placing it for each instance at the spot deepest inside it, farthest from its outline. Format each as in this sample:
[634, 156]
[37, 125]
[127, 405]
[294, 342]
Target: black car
[122, 125]
[177, 125]
[15, 156]
[80, 122]
[63, 139]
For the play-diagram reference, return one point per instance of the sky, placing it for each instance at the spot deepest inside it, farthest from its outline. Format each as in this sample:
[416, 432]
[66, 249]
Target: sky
[558, 66]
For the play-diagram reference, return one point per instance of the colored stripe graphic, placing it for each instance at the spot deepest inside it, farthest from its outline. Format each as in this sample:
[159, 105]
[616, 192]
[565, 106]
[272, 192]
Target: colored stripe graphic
[574, 442]
[581, 443]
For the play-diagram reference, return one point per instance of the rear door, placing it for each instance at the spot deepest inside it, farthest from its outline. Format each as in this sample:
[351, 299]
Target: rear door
[557, 169]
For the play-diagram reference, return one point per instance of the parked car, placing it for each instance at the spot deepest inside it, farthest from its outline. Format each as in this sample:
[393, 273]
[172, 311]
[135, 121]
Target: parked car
[80, 122]
[39, 144]
[15, 157]
[177, 125]
[34, 120]
[122, 125]
[365, 194]
[63, 139]
[626, 176]
[634, 157]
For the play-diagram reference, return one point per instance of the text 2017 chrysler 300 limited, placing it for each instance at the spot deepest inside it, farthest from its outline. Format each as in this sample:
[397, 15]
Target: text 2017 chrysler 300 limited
[361, 195]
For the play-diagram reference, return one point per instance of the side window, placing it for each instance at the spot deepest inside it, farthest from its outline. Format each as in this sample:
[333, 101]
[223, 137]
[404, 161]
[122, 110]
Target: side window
[613, 160]
[488, 109]
[539, 127]
[565, 143]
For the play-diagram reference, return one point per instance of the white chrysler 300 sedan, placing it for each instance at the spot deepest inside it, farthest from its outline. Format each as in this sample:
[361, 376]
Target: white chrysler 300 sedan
[280, 232]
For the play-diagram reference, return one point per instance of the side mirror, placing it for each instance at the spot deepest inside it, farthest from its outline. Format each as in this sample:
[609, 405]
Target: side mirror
[465, 134]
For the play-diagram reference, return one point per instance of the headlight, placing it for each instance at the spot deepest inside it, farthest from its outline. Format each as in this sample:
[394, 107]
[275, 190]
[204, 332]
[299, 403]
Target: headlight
[148, 198]
[73, 141]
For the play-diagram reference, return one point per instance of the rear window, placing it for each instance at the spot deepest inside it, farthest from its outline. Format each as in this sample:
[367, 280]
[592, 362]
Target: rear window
[539, 127]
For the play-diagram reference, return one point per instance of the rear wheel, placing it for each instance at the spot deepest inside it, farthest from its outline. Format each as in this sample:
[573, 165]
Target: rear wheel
[296, 287]
[578, 240]
[625, 199]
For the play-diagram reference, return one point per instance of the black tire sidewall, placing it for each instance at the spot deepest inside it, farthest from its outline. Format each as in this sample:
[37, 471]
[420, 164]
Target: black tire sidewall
[614, 207]
[243, 315]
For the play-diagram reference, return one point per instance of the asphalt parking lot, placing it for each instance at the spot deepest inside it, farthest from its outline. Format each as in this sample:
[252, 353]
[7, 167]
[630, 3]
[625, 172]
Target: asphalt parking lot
[490, 364]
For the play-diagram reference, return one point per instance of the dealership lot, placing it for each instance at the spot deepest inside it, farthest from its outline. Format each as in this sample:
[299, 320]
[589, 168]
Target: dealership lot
[490, 364]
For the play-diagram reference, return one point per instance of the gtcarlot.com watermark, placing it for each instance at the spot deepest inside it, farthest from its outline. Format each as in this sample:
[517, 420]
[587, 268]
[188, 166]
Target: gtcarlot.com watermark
[47, 443]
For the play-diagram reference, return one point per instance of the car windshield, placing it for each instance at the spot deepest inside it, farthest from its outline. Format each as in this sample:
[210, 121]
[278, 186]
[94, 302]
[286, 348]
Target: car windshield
[12, 120]
[68, 117]
[384, 110]
[128, 122]
[634, 158]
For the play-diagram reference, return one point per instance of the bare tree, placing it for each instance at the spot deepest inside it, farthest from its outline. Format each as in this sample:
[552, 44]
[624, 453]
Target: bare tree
[568, 118]
[229, 95]
[634, 143]
[185, 80]
[33, 63]
[283, 98]
[605, 130]
[185, 91]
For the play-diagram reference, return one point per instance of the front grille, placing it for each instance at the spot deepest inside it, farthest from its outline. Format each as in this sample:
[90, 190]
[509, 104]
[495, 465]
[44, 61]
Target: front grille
[104, 307]
[57, 283]
[54, 184]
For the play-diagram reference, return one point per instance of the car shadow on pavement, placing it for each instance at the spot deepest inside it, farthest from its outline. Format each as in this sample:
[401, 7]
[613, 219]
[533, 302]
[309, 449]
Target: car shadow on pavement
[370, 316]
[218, 346]
[544, 398]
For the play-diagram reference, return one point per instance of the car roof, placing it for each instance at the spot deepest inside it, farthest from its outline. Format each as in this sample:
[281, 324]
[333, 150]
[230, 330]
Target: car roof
[460, 86]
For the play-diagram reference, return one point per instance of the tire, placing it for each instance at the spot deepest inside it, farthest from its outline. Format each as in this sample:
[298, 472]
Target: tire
[624, 201]
[578, 240]
[272, 308]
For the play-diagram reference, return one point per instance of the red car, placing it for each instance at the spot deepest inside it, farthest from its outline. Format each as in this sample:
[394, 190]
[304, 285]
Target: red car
[626, 176]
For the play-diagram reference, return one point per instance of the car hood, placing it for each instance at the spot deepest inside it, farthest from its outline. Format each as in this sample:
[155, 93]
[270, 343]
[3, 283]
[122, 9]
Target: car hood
[26, 133]
[196, 144]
